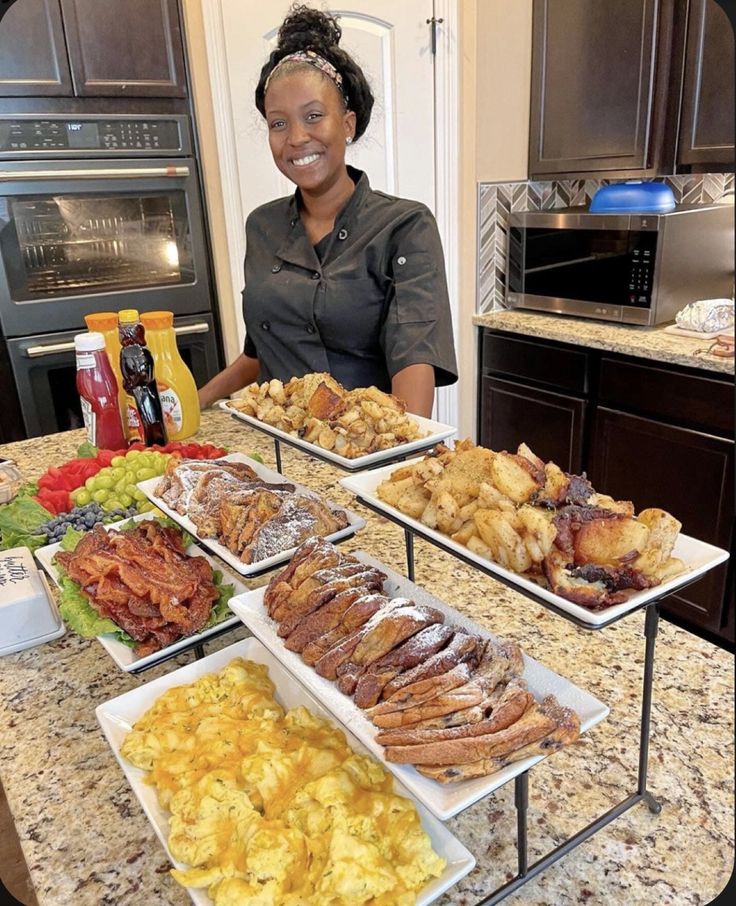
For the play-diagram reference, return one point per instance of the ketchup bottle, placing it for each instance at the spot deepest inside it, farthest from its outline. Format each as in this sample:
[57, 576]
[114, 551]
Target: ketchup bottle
[98, 393]
[136, 367]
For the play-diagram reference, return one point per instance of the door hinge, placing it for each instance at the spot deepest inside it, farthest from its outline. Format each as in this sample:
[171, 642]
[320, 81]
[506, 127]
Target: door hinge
[433, 23]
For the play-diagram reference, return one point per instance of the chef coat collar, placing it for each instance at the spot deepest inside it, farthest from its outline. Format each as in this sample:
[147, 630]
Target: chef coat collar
[297, 249]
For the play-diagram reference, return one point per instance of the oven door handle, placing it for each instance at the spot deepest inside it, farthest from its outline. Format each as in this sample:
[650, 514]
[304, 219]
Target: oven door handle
[34, 352]
[89, 173]
[202, 327]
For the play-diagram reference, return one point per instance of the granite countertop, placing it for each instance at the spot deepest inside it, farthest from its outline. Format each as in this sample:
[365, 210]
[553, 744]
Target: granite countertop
[643, 342]
[87, 841]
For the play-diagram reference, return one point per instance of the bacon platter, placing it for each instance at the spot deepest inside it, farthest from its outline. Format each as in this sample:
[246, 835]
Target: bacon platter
[447, 700]
[144, 581]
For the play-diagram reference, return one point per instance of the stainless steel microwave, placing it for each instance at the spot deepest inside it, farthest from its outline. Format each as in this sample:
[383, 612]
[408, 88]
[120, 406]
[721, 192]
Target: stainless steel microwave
[630, 268]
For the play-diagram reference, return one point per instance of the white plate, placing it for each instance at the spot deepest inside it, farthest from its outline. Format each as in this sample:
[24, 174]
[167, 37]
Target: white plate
[355, 522]
[698, 556]
[443, 800]
[116, 717]
[124, 656]
[435, 432]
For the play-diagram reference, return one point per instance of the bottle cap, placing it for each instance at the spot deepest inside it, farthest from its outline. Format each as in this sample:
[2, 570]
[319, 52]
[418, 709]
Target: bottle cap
[89, 342]
[157, 319]
[101, 320]
[128, 316]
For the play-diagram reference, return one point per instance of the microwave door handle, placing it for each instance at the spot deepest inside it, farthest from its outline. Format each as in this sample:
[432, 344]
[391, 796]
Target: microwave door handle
[185, 329]
[107, 173]
[34, 352]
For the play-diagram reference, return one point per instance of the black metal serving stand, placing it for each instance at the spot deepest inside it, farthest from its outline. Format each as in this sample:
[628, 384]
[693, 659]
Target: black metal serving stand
[526, 872]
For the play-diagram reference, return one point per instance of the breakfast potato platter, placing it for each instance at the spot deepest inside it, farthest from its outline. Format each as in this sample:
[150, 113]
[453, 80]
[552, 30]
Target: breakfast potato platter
[252, 517]
[448, 858]
[444, 799]
[353, 429]
[124, 654]
[583, 553]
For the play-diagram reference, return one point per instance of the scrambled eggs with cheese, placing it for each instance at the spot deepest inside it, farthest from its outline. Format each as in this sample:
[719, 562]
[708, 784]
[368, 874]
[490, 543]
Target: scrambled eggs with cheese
[271, 807]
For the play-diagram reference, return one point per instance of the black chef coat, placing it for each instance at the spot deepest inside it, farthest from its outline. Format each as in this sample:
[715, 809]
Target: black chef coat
[367, 301]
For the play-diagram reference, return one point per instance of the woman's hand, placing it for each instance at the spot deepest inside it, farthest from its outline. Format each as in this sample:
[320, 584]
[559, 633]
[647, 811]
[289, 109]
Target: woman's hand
[415, 385]
[243, 371]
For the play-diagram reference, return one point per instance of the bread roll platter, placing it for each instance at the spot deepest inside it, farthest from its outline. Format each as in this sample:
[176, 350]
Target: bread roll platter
[118, 716]
[353, 429]
[524, 532]
[251, 502]
[444, 799]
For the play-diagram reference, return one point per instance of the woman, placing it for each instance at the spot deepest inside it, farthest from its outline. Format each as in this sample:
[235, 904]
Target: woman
[338, 277]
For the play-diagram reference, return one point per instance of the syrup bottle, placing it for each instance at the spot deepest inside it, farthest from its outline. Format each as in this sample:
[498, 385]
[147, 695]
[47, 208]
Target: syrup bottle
[139, 379]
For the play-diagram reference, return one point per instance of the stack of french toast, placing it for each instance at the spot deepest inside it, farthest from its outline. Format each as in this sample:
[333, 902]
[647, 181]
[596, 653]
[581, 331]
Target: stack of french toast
[447, 700]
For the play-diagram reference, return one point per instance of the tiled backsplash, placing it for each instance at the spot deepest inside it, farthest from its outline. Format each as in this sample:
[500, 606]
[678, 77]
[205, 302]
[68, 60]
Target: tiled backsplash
[497, 200]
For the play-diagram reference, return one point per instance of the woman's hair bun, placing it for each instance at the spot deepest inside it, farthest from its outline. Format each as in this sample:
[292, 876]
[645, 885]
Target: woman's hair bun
[308, 29]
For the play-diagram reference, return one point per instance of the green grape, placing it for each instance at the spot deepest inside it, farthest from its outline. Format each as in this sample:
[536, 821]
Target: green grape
[131, 455]
[81, 497]
[126, 500]
[104, 481]
[130, 477]
[90, 484]
[145, 506]
[118, 472]
[112, 503]
[130, 489]
[145, 460]
[117, 461]
[100, 495]
[121, 485]
[144, 474]
[139, 495]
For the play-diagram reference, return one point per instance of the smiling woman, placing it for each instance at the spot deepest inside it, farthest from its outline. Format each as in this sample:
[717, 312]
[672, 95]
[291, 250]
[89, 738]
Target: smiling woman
[339, 278]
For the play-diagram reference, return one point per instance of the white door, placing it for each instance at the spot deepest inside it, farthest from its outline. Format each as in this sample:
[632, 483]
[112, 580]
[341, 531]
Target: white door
[391, 40]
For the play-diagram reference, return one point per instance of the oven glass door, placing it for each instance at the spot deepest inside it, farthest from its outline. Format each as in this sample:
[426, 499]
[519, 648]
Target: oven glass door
[44, 368]
[80, 237]
[603, 266]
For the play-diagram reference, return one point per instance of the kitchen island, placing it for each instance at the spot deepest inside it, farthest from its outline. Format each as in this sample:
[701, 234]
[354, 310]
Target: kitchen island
[87, 841]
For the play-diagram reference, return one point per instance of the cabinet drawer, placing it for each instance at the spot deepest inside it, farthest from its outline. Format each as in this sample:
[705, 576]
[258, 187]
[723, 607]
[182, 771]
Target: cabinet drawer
[691, 400]
[543, 363]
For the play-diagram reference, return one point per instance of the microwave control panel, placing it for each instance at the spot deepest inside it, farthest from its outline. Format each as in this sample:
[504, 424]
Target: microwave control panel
[641, 269]
[85, 136]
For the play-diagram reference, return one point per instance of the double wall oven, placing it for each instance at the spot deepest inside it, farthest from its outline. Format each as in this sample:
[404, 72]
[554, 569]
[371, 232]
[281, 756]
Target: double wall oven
[97, 213]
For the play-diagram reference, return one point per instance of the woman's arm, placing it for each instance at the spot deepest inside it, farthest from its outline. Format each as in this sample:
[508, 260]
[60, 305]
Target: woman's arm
[415, 385]
[243, 371]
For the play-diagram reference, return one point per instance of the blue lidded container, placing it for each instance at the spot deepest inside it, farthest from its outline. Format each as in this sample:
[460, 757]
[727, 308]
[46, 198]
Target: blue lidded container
[633, 198]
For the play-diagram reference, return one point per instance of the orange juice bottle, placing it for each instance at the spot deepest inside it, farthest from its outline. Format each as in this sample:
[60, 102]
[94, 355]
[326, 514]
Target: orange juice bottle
[106, 323]
[175, 382]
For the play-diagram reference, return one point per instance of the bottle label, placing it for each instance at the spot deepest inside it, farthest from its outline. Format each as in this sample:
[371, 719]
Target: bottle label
[90, 420]
[85, 360]
[171, 406]
[132, 418]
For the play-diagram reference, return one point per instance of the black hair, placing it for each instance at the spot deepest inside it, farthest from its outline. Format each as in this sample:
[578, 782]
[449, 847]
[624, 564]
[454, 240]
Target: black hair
[311, 29]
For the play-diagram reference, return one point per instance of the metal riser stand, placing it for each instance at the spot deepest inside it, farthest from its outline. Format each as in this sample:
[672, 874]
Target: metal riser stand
[526, 872]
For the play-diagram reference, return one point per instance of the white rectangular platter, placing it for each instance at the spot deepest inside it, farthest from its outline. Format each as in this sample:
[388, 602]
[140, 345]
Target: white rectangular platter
[698, 556]
[443, 800]
[355, 522]
[124, 656]
[434, 433]
[116, 717]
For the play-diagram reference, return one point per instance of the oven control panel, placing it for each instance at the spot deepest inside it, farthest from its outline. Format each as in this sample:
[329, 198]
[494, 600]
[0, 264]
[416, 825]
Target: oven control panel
[85, 136]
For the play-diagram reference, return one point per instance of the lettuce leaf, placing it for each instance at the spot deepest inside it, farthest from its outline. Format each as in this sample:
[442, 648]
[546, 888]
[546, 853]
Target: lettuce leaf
[80, 615]
[220, 610]
[18, 520]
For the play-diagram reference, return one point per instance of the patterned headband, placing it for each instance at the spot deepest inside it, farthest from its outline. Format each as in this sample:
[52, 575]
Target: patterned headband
[313, 59]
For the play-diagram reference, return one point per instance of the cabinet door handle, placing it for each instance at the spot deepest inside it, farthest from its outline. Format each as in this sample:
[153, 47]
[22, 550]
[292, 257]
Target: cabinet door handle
[90, 173]
[202, 327]
[33, 352]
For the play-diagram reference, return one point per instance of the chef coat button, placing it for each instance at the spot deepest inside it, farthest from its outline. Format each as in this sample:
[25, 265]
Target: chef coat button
[315, 275]
[265, 325]
[343, 234]
[293, 222]
[311, 328]
[401, 260]
[276, 268]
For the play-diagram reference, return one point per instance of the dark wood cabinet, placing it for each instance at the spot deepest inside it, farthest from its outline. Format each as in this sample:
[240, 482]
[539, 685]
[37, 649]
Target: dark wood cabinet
[130, 48]
[689, 474]
[707, 118]
[103, 48]
[659, 435]
[33, 58]
[630, 88]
